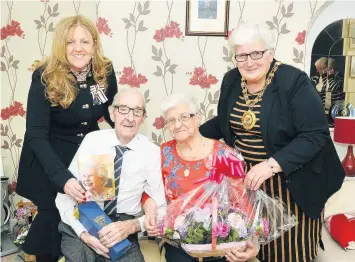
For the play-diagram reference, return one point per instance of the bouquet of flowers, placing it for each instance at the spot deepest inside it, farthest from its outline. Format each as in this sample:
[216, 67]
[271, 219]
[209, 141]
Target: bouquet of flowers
[219, 214]
[23, 215]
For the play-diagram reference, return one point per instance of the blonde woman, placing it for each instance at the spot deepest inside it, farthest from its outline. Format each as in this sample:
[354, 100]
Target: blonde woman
[69, 93]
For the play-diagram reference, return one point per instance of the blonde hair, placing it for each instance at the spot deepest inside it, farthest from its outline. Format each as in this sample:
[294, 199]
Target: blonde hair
[60, 89]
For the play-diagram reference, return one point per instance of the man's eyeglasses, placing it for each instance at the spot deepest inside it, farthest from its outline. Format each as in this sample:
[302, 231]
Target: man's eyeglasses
[124, 110]
[181, 118]
[253, 55]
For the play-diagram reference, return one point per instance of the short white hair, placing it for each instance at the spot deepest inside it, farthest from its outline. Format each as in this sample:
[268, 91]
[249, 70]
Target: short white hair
[127, 90]
[175, 100]
[247, 33]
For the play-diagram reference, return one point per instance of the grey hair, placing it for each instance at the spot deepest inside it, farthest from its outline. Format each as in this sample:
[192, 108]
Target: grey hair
[175, 100]
[127, 90]
[247, 33]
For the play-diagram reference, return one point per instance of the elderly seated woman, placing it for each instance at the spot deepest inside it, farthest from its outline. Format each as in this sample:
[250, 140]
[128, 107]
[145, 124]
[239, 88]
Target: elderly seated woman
[182, 160]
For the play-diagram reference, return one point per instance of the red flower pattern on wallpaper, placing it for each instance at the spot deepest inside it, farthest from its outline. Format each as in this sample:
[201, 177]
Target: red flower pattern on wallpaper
[201, 78]
[13, 110]
[103, 27]
[301, 36]
[129, 77]
[169, 31]
[159, 122]
[12, 29]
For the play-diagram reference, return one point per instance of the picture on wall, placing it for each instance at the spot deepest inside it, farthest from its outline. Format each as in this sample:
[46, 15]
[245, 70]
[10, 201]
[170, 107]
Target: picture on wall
[207, 17]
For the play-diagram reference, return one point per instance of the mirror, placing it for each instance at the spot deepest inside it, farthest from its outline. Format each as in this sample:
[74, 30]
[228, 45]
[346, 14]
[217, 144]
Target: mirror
[331, 69]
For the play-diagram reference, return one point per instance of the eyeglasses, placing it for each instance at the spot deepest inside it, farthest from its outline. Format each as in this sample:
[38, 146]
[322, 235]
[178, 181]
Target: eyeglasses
[124, 110]
[181, 118]
[253, 55]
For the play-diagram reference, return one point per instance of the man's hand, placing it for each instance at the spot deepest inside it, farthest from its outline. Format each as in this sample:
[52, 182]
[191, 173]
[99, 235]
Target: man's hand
[74, 189]
[239, 254]
[115, 232]
[95, 244]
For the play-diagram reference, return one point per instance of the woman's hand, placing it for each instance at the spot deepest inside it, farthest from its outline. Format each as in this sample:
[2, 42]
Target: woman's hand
[242, 254]
[74, 190]
[257, 175]
[260, 172]
[151, 225]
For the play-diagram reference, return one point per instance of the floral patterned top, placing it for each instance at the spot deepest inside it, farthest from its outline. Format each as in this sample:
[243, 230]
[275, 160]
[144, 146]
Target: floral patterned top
[177, 181]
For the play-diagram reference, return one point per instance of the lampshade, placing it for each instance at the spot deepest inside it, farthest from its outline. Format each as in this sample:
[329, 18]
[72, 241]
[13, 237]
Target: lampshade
[344, 130]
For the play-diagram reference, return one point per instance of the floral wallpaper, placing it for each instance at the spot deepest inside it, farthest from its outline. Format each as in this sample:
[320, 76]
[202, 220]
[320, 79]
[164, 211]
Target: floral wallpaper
[146, 42]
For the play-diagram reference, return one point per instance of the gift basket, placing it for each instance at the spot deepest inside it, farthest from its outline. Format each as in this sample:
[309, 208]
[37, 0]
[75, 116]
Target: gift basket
[218, 214]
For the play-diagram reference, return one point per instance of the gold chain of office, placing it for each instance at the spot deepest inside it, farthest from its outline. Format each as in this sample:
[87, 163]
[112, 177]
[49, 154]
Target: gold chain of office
[249, 118]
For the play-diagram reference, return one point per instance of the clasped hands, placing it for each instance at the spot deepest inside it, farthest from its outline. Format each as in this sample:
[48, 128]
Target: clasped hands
[109, 236]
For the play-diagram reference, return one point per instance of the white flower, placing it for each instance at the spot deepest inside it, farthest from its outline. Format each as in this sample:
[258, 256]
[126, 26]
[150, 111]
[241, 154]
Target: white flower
[206, 224]
[202, 215]
[179, 221]
[176, 235]
[236, 220]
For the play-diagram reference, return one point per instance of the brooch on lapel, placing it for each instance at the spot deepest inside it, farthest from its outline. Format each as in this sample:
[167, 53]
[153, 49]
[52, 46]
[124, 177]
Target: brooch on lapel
[98, 94]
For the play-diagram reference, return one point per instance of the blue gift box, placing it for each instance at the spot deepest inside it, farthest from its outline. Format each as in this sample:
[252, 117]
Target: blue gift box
[93, 218]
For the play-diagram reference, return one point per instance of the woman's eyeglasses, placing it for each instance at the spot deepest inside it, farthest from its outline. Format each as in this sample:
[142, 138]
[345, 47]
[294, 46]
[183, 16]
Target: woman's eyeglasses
[124, 110]
[253, 55]
[182, 118]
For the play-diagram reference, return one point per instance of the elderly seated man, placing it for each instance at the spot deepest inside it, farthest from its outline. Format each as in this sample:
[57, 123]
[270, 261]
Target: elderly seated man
[137, 169]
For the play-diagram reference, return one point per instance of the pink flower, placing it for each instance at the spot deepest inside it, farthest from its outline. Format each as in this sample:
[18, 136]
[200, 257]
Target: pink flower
[103, 27]
[11, 29]
[159, 122]
[129, 77]
[220, 230]
[169, 31]
[13, 110]
[266, 229]
[200, 77]
[301, 36]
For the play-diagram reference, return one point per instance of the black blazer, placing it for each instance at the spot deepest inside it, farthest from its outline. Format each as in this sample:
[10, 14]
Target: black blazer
[294, 131]
[53, 135]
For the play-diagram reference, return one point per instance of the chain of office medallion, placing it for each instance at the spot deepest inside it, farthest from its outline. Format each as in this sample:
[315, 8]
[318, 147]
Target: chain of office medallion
[251, 103]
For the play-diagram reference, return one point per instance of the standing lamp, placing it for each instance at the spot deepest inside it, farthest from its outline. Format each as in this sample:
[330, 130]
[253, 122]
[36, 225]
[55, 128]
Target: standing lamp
[344, 132]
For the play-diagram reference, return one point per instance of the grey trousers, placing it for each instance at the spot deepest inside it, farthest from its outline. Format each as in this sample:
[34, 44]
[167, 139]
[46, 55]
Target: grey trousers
[75, 250]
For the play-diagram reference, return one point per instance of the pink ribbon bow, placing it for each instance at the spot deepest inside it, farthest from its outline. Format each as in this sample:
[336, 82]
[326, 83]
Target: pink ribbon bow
[230, 166]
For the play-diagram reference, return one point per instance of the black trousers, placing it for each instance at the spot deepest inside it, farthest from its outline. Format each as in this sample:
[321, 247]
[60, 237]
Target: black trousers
[174, 254]
[46, 258]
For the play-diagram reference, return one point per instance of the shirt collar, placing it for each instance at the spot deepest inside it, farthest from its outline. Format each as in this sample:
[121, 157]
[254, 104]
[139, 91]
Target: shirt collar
[132, 145]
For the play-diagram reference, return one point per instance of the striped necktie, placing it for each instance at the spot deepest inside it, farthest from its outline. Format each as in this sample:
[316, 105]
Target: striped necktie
[110, 206]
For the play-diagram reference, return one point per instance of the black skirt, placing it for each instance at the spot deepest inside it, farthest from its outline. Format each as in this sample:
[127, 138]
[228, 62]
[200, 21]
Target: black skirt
[43, 237]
